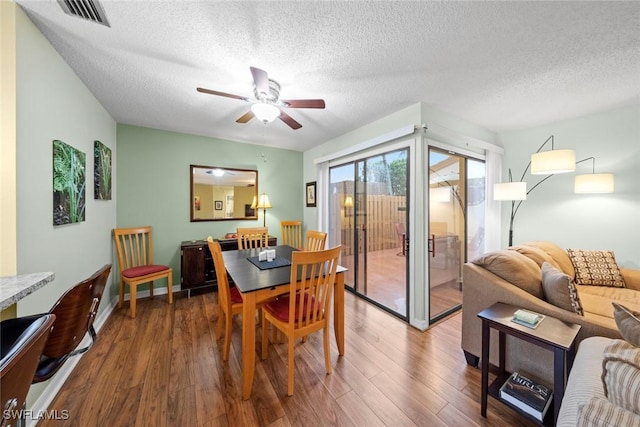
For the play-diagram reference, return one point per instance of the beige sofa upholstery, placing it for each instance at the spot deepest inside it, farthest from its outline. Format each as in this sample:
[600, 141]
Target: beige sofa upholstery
[515, 278]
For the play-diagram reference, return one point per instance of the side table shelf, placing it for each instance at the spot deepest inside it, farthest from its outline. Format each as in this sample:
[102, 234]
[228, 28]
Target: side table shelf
[552, 334]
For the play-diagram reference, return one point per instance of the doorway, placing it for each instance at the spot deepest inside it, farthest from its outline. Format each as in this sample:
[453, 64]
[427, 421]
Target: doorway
[369, 218]
[456, 225]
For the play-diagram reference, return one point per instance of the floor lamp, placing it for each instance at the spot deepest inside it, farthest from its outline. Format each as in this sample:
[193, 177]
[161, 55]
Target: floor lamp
[264, 203]
[550, 163]
[542, 163]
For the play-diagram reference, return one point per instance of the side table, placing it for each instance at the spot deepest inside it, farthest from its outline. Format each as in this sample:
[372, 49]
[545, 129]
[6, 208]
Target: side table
[551, 334]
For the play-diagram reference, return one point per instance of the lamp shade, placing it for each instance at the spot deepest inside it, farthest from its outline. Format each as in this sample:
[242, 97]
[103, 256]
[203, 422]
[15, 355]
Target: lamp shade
[554, 161]
[265, 112]
[510, 191]
[348, 202]
[264, 202]
[594, 183]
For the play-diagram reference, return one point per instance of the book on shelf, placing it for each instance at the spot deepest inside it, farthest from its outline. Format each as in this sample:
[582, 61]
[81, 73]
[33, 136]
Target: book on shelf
[530, 396]
[527, 318]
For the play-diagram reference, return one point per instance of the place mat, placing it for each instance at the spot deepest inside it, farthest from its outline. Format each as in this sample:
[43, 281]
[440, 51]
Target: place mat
[265, 265]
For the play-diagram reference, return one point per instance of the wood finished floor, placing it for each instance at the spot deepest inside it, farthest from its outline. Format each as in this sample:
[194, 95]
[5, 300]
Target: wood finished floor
[165, 368]
[386, 283]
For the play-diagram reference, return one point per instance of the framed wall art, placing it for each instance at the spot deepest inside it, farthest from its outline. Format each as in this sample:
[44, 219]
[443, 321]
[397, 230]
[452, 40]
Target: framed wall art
[311, 194]
[101, 171]
[69, 184]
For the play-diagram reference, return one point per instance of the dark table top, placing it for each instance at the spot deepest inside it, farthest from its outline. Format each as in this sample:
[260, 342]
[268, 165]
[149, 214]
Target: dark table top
[552, 331]
[249, 278]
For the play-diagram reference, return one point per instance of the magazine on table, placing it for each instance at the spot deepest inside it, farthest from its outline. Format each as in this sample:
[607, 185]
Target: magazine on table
[530, 396]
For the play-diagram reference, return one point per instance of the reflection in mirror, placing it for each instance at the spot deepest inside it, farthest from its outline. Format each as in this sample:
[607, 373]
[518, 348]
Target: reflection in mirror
[219, 194]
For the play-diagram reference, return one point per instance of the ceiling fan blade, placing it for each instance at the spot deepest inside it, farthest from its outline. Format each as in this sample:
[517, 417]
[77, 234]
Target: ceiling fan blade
[303, 103]
[246, 117]
[261, 79]
[289, 120]
[228, 95]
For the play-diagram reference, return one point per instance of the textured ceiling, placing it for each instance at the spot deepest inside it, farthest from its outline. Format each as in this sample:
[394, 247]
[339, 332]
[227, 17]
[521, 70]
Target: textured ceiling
[501, 65]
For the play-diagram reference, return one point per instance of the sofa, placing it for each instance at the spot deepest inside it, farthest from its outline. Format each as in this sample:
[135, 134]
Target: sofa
[514, 276]
[602, 362]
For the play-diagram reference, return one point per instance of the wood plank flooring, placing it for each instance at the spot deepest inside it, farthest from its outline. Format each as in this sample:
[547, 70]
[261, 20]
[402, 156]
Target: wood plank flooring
[165, 368]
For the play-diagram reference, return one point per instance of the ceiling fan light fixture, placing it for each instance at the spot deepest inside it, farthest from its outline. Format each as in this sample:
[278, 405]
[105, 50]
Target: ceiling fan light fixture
[265, 112]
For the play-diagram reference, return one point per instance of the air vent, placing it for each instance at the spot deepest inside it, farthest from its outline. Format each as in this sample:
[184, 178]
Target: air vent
[86, 9]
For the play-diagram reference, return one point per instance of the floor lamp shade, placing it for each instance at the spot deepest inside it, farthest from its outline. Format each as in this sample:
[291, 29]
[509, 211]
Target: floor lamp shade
[510, 191]
[554, 161]
[594, 183]
[264, 203]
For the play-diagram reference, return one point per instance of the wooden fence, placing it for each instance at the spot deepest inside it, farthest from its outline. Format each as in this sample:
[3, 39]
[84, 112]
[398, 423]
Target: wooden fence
[378, 219]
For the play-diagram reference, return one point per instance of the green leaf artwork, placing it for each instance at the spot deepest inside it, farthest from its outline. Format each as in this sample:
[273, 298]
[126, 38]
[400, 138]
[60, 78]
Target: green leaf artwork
[101, 171]
[69, 183]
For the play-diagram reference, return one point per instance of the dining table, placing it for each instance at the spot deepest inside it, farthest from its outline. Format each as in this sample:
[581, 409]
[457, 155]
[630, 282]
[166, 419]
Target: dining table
[260, 285]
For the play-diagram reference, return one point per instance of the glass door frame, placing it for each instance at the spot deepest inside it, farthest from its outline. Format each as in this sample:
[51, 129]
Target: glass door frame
[458, 151]
[410, 145]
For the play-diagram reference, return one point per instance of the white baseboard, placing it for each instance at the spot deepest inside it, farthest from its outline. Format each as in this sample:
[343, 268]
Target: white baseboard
[41, 405]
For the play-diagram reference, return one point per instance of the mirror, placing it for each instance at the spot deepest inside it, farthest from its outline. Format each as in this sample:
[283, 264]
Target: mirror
[219, 194]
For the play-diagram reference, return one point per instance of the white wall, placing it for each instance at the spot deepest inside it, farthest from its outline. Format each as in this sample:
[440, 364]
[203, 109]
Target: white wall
[554, 212]
[52, 103]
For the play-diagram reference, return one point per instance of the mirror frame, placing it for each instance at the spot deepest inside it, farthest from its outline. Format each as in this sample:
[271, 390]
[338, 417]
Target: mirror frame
[192, 169]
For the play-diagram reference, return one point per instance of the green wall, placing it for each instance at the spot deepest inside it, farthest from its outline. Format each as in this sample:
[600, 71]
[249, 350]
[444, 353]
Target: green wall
[153, 185]
[53, 103]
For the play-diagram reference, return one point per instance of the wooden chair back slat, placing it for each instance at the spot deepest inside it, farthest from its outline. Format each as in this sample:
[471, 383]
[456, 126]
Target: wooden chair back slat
[224, 297]
[253, 237]
[134, 246]
[314, 272]
[291, 233]
[315, 240]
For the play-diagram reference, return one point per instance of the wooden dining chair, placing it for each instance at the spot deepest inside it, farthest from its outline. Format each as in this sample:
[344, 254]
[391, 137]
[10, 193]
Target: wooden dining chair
[253, 237]
[307, 307]
[229, 298]
[291, 233]
[315, 240]
[135, 260]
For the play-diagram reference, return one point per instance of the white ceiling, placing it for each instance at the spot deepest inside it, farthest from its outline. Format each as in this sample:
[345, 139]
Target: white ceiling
[501, 65]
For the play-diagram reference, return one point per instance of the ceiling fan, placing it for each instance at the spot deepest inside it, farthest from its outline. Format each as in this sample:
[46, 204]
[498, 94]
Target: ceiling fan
[267, 105]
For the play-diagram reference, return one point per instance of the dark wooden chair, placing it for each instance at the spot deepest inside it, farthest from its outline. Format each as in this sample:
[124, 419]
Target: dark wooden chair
[23, 340]
[75, 312]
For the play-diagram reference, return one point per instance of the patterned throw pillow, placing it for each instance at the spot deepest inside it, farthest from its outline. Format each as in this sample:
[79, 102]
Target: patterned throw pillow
[560, 290]
[598, 268]
[621, 375]
[628, 323]
[599, 412]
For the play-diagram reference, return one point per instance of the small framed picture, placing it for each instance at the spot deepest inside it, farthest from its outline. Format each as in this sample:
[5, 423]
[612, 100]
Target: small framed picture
[311, 194]
[218, 205]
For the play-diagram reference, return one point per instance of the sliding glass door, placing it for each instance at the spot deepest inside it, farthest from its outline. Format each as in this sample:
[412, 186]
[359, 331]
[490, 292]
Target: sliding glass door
[369, 201]
[456, 225]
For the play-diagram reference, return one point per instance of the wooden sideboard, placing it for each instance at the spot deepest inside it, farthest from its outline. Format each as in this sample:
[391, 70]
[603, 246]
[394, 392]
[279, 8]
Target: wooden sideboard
[196, 263]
